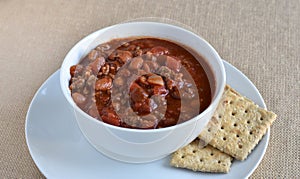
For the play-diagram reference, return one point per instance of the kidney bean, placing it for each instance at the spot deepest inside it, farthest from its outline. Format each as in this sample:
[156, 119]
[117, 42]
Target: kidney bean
[141, 72]
[152, 65]
[103, 84]
[158, 50]
[103, 47]
[149, 117]
[173, 64]
[125, 44]
[110, 117]
[137, 93]
[123, 55]
[113, 68]
[131, 47]
[76, 70]
[137, 105]
[138, 52]
[105, 69]
[72, 70]
[148, 56]
[136, 63]
[97, 64]
[79, 98]
[143, 80]
[146, 68]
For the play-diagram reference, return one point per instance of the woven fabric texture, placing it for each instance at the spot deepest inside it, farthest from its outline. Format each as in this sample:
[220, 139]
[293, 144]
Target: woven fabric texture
[261, 38]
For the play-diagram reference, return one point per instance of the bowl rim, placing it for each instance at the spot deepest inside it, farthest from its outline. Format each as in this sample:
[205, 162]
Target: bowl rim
[214, 101]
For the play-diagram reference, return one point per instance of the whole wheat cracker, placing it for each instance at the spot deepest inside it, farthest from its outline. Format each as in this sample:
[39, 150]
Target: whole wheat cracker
[242, 124]
[206, 159]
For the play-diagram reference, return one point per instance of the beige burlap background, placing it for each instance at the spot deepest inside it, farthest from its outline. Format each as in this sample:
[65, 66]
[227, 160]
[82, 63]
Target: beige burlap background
[261, 38]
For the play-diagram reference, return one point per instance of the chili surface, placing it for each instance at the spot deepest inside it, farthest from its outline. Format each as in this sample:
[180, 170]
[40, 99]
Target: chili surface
[142, 83]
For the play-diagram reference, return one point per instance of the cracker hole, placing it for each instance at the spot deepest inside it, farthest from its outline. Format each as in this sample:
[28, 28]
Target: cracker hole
[219, 161]
[246, 111]
[224, 138]
[219, 116]
[194, 151]
[240, 146]
[222, 127]
[201, 160]
[182, 156]
[248, 122]
[261, 118]
[212, 154]
[234, 124]
[208, 130]
[233, 113]
[250, 132]
[230, 102]
[237, 135]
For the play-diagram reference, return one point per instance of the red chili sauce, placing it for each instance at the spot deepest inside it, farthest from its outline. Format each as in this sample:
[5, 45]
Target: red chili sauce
[141, 83]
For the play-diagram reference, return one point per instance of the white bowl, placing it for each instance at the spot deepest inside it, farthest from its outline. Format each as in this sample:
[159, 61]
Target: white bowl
[138, 145]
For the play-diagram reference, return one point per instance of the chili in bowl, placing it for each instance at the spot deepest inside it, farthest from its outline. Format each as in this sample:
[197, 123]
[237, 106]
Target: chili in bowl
[140, 82]
[142, 90]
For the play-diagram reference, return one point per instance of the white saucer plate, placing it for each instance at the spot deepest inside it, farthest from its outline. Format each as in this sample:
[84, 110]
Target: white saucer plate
[59, 149]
